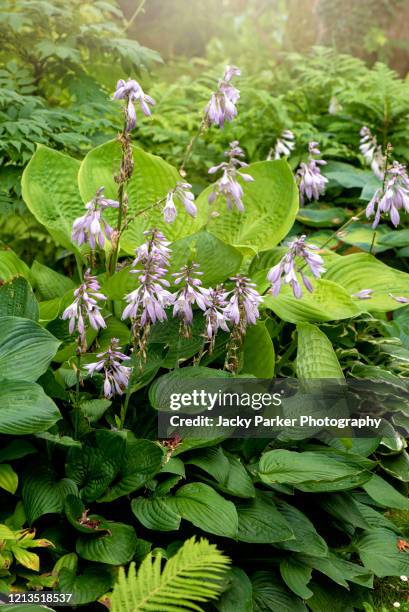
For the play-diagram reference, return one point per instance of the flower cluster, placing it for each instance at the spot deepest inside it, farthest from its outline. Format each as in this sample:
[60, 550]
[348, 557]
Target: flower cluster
[183, 194]
[116, 375]
[228, 185]
[189, 294]
[392, 196]
[310, 180]
[85, 306]
[372, 152]
[132, 92]
[286, 270]
[222, 103]
[215, 313]
[91, 228]
[284, 145]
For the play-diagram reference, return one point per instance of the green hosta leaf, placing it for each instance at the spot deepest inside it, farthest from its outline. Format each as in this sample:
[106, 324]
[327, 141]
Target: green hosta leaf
[260, 522]
[150, 182]
[345, 509]
[296, 575]
[94, 466]
[283, 466]
[363, 271]
[385, 494]
[142, 459]
[8, 478]
[271, 205]
[328, 302]
[258, 352]
[115, 548]
[16, 449]
[43, 493]
[396, 238]
[364, 237]
[271, 595]
[321, 216]
[94, 409]
[217, 259]
[79, 518]
[315, 356]
[50, 190]
[26, 349]
[50, 284]
[17, 299]
[157, 513]
[230, 474]
[397, 466]
[379, 553]
[11, 266]
[346, 175]
[238, 595]
[91, 584]
[201, 505]
[25, 408]
[168, 334]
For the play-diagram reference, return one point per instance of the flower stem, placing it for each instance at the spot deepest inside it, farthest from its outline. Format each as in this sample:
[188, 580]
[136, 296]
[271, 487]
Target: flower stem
[77, 410]
[190, 146]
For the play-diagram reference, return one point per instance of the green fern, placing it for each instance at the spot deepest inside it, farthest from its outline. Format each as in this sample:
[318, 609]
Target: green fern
[193, 574]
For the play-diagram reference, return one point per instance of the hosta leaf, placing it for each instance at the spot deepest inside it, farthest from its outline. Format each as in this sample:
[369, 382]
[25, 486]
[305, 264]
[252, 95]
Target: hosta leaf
[49, 283]
[231, 475]
[26, 558]
[364, 237]
[43, 492]
[238, 595]
[79, 517]
[315, 356]
[258, 352]
[271, 205]
[87, 587]
[94, 409]
[11, 266]
[379, 553]
[150, 182]
[363, 271]
[158, 513]
[8, 478]
[25, 408]
[114, 548]
[26, 349]
[328, 302]
[16, 449]
[260, 522]
[270, 595]
[346, 175]
[321, 216]
[17, 299]
[385, 494]
[397, 466]
[50, 190]
[296, 575]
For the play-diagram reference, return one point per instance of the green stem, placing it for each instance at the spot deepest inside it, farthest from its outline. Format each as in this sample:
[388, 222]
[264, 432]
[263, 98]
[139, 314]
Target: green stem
[134, 16]
[77, 410]
[190, 146]
[124, 407]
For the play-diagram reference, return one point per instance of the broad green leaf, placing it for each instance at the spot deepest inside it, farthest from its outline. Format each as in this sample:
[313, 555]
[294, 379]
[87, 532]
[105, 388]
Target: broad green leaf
[258, 352]
[328, 302]
[271, 205]
[336, 599]
[231, 475]
[157, 513]
[26, 349]
[94, 409]
[11, 266]
[345, 509]
[271, 595]
[396, 238]
[397, 466]
[50, 190]
[49, 283]
[363, 271]
[379, 553]
[364, 237]
[346, 175]
[43, 492]
[385, 494]
[296, 575]
[16, 449]
[315, 356]
[151, 180]
[201, 505]
[25, 408]
[211, 460]
[181, 349]
[260, 522]
[290, 467]
[17, 299]
[78, 516]
[114, 548]
[320, 216]
[239, 593]
[93, 582]
[8, 478]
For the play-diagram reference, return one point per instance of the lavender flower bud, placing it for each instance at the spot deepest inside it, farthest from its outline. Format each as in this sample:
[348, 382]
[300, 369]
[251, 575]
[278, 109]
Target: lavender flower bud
[399, 298]
[222, 103]
[242, 308]
[228, 185]
[116, 375]
[131, 91]
[183, 194]
[372, 152]
[392, 196]
[284, 145]
[215, 316]
[310, 180]
[286, 271]
[92, 228]
[363, 294]
[188, 295]
[85, 306]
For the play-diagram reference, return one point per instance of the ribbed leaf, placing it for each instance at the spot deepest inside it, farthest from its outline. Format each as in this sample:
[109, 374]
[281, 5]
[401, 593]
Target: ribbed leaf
[296, 575]
[379, 553]
[26, 349]
[239, 595]
[270, 595]
[157, 513]
[17, 299]
[258, 352]
[192, 575]
[260, 522]
[114, 548]
[385, 494]
[8, 478]
[91, 584]
[315, 356]
[11, 266]
[49, 283]
[25, 408]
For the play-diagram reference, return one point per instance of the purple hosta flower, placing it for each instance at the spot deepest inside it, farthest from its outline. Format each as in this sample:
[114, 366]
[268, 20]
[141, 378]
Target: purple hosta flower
[91, 227]
[286, 270]
[222, 103]
[284, 145]
[116, 375]
[182, 193]
[363, 294]
[189, 294]
[228, 185]
[85, 306]
[147, 303]
[215, 316]
[399, 298]
[132, 92]
[392, 196]
[310, 180]
[372, 152]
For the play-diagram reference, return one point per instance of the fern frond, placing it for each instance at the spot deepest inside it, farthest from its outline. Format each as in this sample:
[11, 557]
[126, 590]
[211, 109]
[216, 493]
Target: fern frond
[193, 574]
